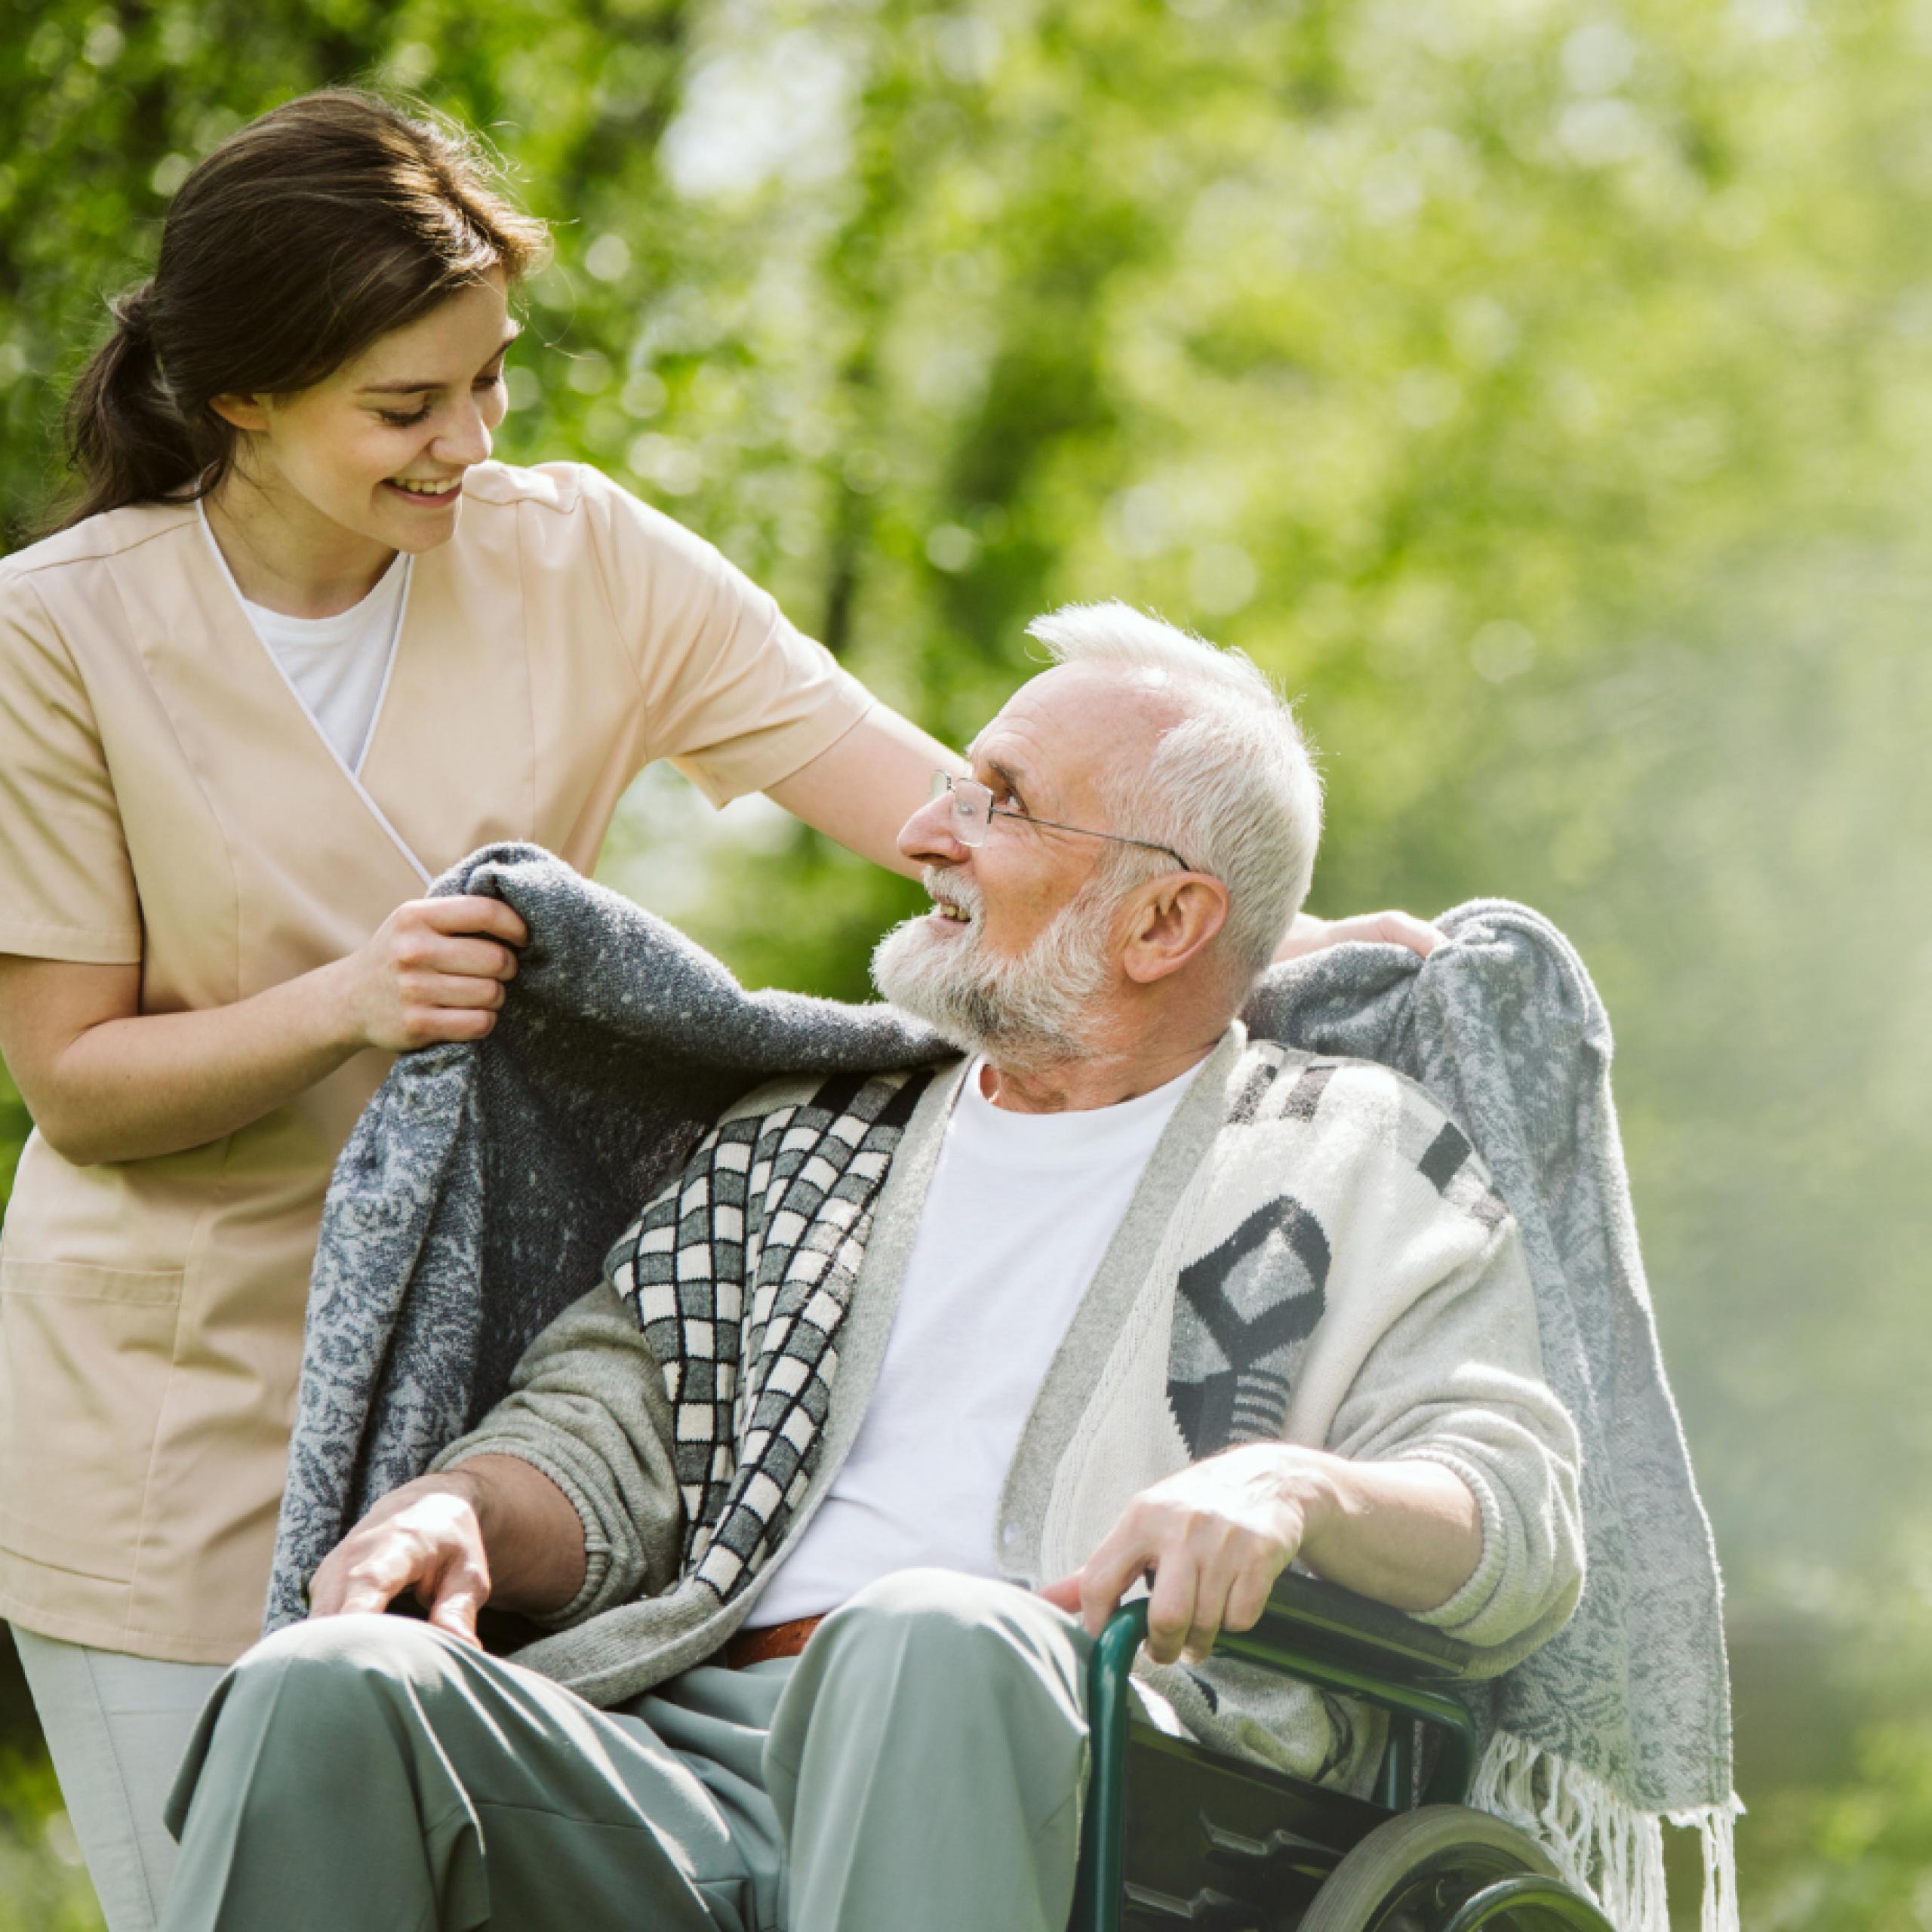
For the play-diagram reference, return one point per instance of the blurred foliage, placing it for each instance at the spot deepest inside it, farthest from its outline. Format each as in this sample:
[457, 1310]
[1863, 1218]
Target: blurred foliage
[44, 1885]
[1848, 1841]
[1543, 388]
[14, 1128]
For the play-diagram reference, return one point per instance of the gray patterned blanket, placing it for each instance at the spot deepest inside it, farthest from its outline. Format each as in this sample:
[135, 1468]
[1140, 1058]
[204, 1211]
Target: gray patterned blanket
[480, 1191]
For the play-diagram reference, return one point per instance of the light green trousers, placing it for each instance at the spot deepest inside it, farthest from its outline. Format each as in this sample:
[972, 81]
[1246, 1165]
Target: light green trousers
[918, 1769]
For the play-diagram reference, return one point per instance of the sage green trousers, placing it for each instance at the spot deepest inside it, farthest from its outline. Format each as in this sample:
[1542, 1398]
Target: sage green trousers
[918, 1769]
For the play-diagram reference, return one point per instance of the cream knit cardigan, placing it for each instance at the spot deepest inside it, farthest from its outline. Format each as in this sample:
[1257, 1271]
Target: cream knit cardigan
[1313, 1254]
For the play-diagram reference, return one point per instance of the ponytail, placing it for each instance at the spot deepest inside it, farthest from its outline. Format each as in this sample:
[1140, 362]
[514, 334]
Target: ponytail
[124, 434]
[302, 239]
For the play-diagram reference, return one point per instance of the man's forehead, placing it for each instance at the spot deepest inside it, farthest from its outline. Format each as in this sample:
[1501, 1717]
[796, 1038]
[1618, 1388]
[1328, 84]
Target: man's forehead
[1031, 740]
[1072, 718]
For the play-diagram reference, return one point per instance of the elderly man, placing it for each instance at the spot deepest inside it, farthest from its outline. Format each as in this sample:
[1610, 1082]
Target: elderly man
[883, 1405]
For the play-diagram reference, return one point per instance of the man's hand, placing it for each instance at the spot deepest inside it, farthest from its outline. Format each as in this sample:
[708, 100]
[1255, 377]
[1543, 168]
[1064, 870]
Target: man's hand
[1216, 1535]
[1309, 934]
[493, 1527]
[424, 1537]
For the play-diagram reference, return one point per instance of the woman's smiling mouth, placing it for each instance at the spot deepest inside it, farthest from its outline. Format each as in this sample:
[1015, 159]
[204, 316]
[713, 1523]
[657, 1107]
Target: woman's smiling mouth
[435, 493]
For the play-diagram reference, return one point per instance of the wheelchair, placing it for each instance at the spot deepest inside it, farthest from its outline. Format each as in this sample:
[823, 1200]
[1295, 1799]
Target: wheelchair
[1176, 1835]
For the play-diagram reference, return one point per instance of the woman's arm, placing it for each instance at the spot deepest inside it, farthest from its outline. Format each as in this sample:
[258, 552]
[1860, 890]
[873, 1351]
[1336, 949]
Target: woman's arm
[863, 789]
[104, 1081]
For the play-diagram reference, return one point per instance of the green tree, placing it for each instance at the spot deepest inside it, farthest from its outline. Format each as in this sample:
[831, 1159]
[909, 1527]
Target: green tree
[1542, 390]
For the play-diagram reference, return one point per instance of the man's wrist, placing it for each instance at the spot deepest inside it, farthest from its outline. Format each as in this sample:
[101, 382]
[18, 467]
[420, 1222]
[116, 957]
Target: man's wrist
[1311, 1484]
[532, 1534]
[469, 1483]
[1408, 1533]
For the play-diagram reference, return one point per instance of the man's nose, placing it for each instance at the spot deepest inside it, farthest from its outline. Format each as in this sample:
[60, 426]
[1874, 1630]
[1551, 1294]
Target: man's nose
[930, 836]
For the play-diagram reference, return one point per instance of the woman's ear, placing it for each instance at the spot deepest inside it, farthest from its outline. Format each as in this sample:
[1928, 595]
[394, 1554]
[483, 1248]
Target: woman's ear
[1176, 917]
[246, 413]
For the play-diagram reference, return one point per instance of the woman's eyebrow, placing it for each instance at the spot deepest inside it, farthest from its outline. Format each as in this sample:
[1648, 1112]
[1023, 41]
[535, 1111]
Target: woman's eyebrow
[424, 389]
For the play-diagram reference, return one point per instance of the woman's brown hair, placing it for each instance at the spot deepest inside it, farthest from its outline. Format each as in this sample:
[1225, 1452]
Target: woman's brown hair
[290, 248]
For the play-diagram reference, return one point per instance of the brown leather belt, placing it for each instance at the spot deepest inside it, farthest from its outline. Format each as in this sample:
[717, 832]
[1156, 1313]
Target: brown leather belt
[775, 1640]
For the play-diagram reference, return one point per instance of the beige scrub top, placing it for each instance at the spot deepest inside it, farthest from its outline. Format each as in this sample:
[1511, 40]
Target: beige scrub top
[165, 800]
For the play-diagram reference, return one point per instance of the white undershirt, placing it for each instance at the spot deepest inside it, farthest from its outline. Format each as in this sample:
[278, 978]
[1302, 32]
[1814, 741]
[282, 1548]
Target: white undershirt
[340, 665]
[1016, 1219]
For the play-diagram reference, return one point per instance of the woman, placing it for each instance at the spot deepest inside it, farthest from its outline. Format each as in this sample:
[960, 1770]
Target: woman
[300, 648]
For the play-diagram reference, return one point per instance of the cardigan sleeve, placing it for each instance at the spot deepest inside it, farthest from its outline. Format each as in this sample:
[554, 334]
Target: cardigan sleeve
[586, 1407]
[1457, 1379]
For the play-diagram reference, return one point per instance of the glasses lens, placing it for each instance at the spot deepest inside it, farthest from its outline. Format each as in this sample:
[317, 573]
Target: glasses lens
[971, 804]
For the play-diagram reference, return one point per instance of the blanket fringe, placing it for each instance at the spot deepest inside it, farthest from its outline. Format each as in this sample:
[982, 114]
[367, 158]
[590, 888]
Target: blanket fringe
[1716, 1826]
[1603, 1845]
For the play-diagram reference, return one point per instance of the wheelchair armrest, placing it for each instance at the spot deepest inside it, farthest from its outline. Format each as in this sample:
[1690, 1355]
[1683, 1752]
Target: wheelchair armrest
[1308, 1617]
[1322, 1635]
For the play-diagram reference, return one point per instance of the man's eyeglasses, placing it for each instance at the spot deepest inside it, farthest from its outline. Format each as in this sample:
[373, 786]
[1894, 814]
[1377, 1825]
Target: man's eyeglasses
[973, 810]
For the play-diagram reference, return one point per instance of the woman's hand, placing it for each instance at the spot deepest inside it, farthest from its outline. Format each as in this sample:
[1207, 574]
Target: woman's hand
[105, 1081]
[1309, 934]
[436, 969]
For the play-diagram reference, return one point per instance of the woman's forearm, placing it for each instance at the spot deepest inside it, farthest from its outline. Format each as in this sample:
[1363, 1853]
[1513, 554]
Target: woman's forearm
[133, 1086]
[104, 1081]
[862, 789]
[1310, 934]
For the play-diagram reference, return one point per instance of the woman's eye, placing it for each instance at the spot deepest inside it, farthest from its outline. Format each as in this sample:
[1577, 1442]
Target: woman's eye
[400, 419]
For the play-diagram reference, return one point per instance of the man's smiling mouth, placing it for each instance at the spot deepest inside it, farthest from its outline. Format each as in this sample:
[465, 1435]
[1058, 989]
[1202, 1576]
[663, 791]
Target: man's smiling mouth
[953, 894]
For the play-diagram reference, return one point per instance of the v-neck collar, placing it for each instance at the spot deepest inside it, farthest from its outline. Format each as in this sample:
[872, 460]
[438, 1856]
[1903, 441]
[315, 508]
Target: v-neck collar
[352, 774]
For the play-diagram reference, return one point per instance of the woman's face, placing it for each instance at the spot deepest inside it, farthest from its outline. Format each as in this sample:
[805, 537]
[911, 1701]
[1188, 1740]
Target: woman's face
[377, 450]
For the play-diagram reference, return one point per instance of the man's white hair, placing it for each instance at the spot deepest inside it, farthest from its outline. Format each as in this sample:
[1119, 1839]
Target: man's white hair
[1232, 788]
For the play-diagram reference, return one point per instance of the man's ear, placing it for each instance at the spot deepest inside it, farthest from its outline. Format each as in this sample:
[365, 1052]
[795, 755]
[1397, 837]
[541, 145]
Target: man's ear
[247, 413]
[1175, 920]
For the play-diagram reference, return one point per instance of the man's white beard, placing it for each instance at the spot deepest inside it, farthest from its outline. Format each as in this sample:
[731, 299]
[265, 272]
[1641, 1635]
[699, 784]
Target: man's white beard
[1028, 1012]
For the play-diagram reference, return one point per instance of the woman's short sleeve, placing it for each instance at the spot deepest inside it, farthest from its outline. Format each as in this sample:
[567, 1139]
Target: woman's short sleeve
[66, 886]
[733, 695]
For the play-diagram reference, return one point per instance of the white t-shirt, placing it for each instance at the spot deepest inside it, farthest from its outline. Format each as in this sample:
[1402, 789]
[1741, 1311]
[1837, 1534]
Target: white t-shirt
[339, 666]
[1017, 1220]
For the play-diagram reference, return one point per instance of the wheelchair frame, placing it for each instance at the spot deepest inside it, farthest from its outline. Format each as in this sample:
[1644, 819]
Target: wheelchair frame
[1337, 1641]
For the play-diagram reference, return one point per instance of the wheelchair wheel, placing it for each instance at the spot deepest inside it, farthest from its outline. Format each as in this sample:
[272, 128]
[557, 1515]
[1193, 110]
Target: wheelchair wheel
[1446, 1868]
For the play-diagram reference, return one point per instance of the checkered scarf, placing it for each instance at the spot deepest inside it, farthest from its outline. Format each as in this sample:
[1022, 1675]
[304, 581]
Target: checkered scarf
[777, 1206]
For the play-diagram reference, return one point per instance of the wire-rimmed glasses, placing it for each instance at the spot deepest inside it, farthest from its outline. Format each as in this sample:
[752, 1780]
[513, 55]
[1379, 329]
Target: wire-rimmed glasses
[974, 812]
